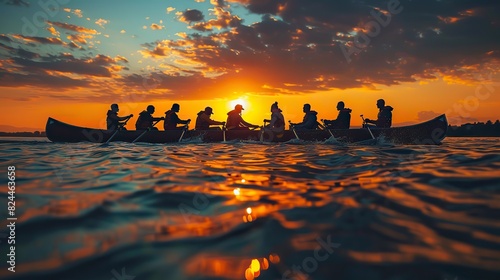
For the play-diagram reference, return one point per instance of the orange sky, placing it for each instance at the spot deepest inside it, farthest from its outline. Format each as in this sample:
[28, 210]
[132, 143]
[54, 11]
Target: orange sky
[408, 100]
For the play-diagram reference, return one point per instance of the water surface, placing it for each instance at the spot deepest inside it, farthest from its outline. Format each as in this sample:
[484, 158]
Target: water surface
[254, 211]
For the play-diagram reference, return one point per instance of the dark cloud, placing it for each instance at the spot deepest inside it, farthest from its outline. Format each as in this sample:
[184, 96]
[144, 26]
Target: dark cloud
[40, 40]
[5, 38]
[224, 19]
[27, 68]
[192, 15]
[40, 80]
[306, 46]
[17, 3]
[99, 66]
[73, 27]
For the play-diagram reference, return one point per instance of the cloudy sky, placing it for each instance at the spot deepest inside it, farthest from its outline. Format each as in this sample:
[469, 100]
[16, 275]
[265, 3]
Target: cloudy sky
[71, 59]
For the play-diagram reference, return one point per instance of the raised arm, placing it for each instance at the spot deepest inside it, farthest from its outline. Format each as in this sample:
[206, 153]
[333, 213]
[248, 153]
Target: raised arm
[212, 122]
[248, 124]
[125, 118]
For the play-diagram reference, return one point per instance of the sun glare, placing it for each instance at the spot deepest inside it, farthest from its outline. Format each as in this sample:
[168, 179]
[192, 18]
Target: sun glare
[235, 102]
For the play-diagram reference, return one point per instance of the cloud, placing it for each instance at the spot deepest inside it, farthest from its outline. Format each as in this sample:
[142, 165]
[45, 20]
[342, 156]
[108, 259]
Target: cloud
[53, 31]
[40, 40]
[120, 58]
[101, 22]
[76, 12]
[155, 26]
[73, 27]
[224, 19]
[24, 63]
[17, 3]
[297, 46]
[426, 115]
[5, 38]
[96, 66]
[191, 15]
[40, 80]
[79, 38]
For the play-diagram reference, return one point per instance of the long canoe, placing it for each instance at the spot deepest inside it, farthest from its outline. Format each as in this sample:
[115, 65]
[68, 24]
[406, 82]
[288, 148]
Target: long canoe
[429, 132]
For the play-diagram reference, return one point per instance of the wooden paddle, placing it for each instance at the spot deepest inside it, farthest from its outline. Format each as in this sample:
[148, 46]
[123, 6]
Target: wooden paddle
[224, 132]
[324, 127]
[184, 131]
[120, 125]
[373, 137]
[261, 138]
[293, 129]
[145, 131]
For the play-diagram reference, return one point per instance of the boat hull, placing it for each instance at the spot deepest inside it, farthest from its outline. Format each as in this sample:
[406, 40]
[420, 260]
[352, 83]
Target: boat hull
[430, 132]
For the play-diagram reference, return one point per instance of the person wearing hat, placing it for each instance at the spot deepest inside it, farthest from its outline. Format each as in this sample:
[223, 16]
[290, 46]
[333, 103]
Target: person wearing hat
[113, 121]
[310, 120]
[236, 122]
[172, 119]
[343, 120]
[277, 121]
[203, 121]
[145, 119]
[384, 118]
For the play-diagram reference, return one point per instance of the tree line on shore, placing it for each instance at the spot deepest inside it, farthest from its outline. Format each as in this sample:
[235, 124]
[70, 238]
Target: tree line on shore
[478, 129]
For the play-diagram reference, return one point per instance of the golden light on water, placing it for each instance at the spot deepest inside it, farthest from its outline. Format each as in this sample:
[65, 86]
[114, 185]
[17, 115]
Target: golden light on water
[249, 211]
[265, 264]
[253, 271]
[255, 265]
[274, 258]
[237, 191]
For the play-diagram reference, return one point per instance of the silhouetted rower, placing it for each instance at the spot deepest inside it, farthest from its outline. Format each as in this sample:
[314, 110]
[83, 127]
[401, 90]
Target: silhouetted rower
[236, 122]
[172, 119]
[113, 121]
[204, 121]
[384, 118]
[343, 120]
[310, 120]
[145, 120]
[277, 121]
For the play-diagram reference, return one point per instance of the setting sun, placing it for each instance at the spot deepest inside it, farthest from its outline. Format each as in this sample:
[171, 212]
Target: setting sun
[235, 102]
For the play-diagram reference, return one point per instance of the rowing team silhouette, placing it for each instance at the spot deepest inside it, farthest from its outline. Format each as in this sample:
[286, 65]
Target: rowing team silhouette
[146, 121]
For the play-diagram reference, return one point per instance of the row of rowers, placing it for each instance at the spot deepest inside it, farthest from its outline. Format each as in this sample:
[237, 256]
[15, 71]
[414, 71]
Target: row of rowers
[146, 121]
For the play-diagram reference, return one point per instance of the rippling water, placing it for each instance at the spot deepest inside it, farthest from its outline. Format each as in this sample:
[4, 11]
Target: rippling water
[254, 211]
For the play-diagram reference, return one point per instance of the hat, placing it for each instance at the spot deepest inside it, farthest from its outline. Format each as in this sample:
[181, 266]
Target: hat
[208, 110]
[238, 106]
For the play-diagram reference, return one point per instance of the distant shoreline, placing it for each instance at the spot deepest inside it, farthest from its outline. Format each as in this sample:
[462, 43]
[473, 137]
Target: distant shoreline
[23, 134]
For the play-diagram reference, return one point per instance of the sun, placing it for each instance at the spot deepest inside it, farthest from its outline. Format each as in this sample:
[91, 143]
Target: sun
[235, 102]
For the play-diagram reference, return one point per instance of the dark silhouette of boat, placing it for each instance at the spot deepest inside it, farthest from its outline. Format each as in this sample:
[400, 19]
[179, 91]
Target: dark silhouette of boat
[429, 132]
